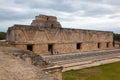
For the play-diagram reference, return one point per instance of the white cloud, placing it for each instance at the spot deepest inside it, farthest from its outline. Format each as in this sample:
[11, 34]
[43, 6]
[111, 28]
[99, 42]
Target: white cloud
[85, 14]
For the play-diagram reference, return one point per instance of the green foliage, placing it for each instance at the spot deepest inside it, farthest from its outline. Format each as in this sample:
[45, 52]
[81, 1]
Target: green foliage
[2, 35]
[103, 72]
[116, 37]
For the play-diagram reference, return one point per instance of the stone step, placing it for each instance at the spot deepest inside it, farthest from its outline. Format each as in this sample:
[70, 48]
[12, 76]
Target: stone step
[89, 63]
[56, 58]
[87, 58]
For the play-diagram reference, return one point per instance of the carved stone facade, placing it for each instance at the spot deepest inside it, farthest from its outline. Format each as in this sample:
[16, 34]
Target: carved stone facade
[46, 36]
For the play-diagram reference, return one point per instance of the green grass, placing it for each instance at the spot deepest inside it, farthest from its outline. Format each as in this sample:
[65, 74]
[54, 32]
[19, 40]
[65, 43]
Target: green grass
[103, 72]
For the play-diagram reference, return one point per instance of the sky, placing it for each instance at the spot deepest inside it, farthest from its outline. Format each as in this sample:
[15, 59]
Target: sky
[80, 14]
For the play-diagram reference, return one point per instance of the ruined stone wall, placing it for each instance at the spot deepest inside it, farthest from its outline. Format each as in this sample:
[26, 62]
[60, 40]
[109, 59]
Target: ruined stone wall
[45, 33]
[59, 35]
[21, 46]
[46, 21]
[41, 48]
[10, 36]
[63, 40]
[117, 44]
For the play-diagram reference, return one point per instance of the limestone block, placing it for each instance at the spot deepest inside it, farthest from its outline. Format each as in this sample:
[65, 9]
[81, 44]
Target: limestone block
[23, 47]
[41, 18]
[52, 18]
[41, 49]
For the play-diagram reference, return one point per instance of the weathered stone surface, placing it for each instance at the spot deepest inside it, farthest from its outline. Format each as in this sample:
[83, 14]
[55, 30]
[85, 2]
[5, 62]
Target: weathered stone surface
[117, 44]
[42, 37]
[13, 68]
[55, 58]
[45, 21]
[84, 59]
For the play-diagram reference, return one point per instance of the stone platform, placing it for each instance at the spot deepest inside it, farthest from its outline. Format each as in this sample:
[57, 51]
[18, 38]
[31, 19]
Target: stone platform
[84, 59]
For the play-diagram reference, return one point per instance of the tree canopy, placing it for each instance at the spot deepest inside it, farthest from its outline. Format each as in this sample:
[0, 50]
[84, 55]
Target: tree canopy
[116, 37]
[2, 35]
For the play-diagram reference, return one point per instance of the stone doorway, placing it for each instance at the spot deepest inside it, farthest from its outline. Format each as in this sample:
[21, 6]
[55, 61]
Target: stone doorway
[30, 47]
[50, 48]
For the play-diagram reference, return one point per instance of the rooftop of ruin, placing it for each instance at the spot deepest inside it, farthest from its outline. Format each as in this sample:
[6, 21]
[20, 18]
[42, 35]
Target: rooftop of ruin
[46, 21]
[42, 22]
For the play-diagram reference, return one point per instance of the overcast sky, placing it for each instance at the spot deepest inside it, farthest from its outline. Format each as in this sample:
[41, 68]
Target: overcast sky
[81, 14]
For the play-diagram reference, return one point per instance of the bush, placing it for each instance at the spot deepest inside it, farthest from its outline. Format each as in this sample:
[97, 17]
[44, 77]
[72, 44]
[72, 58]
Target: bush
[2, 35]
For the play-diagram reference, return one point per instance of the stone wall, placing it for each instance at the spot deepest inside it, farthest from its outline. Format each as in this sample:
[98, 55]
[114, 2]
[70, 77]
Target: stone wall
[81, 56]
[41, 37]
[40, 48]
[117, 44]
[62, 40]
[46, 21]
[58, 35]
[23, 46]
[55, 71]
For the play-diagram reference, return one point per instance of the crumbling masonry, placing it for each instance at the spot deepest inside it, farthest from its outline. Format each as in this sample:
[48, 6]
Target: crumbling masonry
[46, 36]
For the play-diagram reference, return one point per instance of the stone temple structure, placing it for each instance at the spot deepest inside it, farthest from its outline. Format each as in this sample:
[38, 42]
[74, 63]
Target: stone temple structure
[45, 35]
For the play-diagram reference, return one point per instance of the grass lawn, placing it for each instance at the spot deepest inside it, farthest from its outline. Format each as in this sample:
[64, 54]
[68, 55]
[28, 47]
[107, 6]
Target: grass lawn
[103, 72]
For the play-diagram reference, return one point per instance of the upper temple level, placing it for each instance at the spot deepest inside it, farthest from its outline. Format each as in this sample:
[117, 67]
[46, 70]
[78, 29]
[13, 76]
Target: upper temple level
[46, 21]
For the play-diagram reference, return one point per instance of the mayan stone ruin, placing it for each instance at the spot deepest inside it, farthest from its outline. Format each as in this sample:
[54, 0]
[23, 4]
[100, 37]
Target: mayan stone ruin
[45, 35]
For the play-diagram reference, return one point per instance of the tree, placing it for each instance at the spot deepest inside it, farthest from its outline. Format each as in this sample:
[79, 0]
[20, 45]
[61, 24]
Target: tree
[116, 37]
[2, 35]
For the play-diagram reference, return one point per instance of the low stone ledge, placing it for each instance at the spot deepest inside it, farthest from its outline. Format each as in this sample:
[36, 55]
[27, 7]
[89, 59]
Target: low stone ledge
[56, 58]
[55, 71]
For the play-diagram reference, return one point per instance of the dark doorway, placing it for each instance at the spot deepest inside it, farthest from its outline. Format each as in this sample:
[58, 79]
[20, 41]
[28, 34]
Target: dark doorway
[113, 44]
[98, 45]
[107, 44]
[30, 47]
[50, 48]
[52, 25]
[47, 18]
[78, 46]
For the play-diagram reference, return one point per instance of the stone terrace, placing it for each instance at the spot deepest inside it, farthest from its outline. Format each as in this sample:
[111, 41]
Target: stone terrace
[55, 58]
[84, 59]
